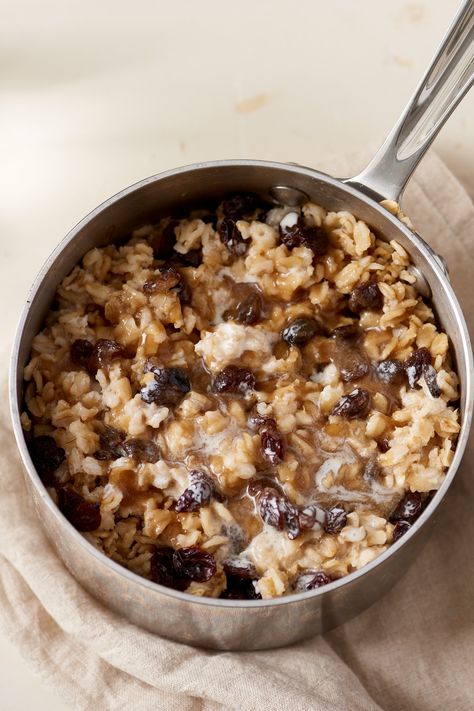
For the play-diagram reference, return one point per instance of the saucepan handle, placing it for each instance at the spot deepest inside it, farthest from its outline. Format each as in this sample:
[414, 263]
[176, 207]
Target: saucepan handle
[449, 77]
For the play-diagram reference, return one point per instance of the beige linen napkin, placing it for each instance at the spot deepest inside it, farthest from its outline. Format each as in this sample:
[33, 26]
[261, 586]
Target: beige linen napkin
[412, 650]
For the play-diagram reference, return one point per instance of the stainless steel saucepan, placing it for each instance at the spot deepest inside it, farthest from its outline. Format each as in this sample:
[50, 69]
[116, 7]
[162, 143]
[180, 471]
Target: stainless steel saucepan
[257, 624]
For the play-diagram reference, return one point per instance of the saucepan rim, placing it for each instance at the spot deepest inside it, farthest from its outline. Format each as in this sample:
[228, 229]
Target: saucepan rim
[394, 548]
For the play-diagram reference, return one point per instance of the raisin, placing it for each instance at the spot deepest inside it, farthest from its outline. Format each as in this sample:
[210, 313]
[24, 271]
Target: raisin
[162, 570]
[348, 332]
[240, 582]
[249, 310]
[294, 233]
[383, 445]
[163, 243]
[246, 571]
[292, 521]
[311, 515]
[233, 380]
[401, 527]
[83, 515]
[336, 519]
[256, 421]
[311, 581]
[366, 297]
[272, 442]
[169, 386]
[300, 331]
[104, 352]
[237, 206]
[353, 406]
[431, 380]
[81, 351]
[47, 457]
[230, 236]
[110, 444]
[257, 485]
[415, 365]
[349, 358]
[194, 564]
[193, 258]
[390, 371]
[408, 508]
[317, 240]
[277, 511]
[142, 450]
[199, 492]
[272, 509]
[168, 278]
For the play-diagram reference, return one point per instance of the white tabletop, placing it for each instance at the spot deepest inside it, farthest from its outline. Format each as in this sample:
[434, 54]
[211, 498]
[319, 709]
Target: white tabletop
[97, 95]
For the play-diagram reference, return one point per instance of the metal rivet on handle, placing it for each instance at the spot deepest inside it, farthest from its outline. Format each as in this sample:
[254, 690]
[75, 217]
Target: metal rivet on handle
[421, 283]
[284, 195]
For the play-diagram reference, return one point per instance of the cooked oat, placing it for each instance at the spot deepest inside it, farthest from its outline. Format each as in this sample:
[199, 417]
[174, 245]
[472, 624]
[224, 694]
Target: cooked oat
[259, 409]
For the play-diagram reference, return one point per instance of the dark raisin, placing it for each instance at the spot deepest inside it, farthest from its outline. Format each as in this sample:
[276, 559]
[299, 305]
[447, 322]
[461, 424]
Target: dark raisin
[81, 351]
[272, 508]
[431, 380]
[353, 406]
[277, 511]
[390, 371]
[316, 238]
[408, 508]
[401, 527]
[300, 331]
[142, 450]
[257, 485]
[292, 521]
[163, 243]
[193, 258]
[348, 332]
[371, 470]
[237, 206]
[200, 491]
[104, 352]
[256, 421]
[233, 380]
[230, 236]
[299, 235]
[354, 368]
[415, 365]
[161, 567]
[167, 278]
[350, 358]
[311, 515]
[366, 297]
[194, 564]
[246, 571]
[311, 581]
[383, 445]
[169, 386]
[292, 229]
[47, 457]
[83, 515]
[110, 444]
[272, 442]
[336, 519]
[240, 581]
[249, 310]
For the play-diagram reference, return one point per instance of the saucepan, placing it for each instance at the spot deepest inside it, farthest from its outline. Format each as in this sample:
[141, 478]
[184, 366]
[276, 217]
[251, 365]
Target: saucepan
[257, 624]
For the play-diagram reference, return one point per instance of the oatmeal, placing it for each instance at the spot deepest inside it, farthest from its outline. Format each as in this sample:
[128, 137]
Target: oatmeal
[242, 403]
